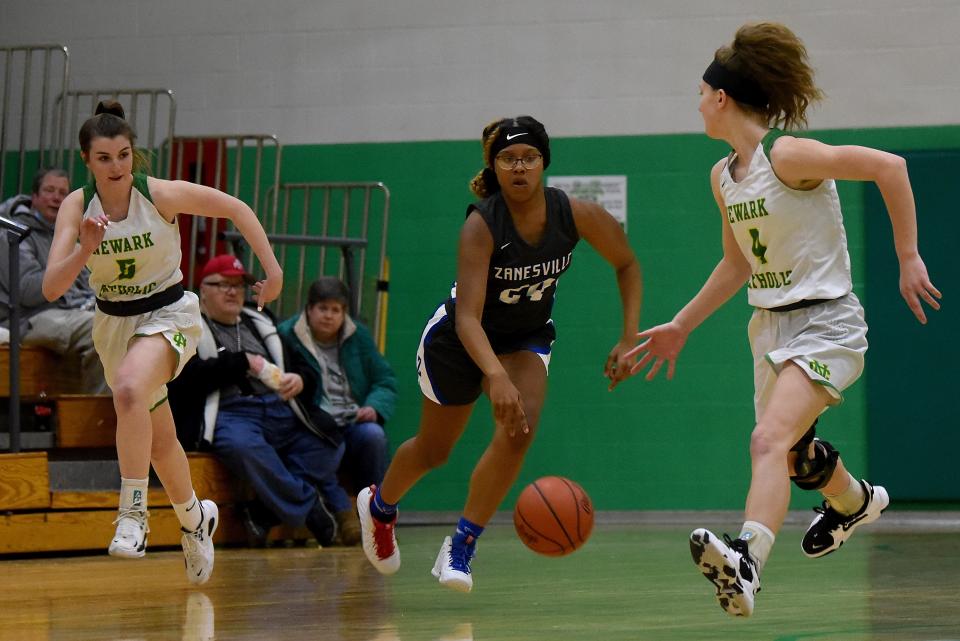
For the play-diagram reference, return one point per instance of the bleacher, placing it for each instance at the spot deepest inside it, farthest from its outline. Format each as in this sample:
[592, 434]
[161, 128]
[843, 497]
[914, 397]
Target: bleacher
[59, 478]
[63, 497]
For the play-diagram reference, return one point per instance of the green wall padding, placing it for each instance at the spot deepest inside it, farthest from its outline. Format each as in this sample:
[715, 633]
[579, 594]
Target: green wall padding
[682, 444]
[911, 411]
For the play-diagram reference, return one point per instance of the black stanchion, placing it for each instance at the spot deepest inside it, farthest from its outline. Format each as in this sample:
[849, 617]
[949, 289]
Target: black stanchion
[15, 233]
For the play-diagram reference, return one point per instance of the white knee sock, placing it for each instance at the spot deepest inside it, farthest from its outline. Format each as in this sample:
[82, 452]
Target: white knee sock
[133, 493]
[189, 513]
[759, 540]
[849, 500]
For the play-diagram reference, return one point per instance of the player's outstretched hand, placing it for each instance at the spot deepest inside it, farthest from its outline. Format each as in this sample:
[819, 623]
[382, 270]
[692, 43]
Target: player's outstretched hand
[619, 363]
[915, 285]
[663, 343]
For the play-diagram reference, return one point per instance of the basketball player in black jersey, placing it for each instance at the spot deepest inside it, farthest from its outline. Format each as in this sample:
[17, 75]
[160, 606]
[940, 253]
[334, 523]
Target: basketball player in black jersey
[494, 334]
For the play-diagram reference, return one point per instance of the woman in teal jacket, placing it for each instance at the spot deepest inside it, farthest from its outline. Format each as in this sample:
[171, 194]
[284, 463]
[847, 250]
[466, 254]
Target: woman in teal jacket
[345, 377]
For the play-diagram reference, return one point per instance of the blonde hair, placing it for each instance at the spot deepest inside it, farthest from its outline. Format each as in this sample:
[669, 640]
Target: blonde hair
[773, 56]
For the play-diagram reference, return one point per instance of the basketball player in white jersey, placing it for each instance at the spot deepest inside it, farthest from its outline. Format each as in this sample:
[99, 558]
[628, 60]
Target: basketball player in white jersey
[783, 236]
[123, 227]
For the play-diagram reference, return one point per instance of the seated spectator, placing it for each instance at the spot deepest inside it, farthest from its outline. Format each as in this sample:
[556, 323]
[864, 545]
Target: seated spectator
[64, 326]
[347, 378]
[237, 397]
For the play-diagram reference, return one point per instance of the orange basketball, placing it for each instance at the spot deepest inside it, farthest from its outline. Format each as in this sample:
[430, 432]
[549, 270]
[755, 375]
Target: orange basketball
[553, 516]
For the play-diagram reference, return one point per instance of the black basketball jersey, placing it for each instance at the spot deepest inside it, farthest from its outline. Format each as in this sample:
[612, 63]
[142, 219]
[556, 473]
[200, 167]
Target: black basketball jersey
[522, 279]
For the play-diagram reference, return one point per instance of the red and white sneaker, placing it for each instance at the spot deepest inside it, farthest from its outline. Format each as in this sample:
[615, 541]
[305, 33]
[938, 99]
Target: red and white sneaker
[379, 539]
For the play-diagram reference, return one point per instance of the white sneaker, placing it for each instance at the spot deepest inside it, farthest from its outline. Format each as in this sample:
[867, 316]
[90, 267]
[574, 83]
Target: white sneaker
[728, 565]
[198, 545]
[829, 529]
[452, 566]
[379, 539]
[130, 541]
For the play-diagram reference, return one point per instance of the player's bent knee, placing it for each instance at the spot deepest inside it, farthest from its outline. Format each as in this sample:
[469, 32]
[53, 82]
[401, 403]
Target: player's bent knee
[761, 445]
[125, 396]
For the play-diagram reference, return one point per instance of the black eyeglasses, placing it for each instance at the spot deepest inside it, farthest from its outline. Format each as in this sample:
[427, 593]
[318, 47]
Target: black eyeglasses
[508, 162]
[225, 287]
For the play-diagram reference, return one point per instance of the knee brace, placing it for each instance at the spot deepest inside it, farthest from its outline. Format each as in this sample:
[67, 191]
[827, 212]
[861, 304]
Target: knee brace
[813, 472]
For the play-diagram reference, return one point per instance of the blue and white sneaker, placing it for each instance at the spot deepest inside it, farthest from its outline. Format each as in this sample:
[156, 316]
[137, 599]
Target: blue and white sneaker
[829, 529]
[728, 565]
[452, 567]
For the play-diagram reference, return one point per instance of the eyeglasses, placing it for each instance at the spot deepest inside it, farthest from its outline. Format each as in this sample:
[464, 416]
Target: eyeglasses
[508, 163]
[225, 287]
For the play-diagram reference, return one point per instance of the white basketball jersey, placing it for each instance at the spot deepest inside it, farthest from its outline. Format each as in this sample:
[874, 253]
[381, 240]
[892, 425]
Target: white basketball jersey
[794, 240]
[140, 255]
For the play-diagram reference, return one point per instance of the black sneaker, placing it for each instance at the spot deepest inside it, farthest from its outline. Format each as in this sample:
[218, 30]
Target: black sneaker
[728, 565]
[321, 524]
[829, 529]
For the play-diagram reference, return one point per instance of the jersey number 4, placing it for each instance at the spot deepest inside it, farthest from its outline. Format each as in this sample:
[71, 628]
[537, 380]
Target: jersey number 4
[758, 248]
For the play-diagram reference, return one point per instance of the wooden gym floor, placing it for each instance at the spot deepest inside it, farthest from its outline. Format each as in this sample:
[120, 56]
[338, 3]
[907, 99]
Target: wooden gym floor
[631, 582]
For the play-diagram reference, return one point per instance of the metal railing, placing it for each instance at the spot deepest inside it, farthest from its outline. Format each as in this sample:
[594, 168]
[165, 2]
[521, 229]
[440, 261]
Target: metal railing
[346, 246]
[233, 174]
[152, 107]
[39, 126]
[15, 233]
[334, 214]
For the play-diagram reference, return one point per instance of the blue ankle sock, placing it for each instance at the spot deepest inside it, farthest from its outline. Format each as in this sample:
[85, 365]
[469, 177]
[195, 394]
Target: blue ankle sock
[381, 510]
[467, 532]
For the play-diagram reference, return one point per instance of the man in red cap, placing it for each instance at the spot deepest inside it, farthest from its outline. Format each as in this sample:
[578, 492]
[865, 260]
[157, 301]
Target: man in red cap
[236, 398]
[227, 266]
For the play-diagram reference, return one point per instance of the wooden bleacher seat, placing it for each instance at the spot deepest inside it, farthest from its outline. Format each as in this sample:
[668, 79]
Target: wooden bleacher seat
[85, 420]
[38, 369]
[35, 518]
[24, 481]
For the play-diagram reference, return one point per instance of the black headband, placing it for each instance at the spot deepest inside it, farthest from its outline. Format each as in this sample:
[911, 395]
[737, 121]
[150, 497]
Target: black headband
[519, 135]
[738, 86]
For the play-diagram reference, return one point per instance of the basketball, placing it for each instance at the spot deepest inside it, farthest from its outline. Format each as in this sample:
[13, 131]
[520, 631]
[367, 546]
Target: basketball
[553, 516]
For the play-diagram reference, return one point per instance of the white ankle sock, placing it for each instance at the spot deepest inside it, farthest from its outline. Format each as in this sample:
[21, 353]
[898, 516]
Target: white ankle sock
[133, 493]
[849, 500]
[189, 513]
[759, 540]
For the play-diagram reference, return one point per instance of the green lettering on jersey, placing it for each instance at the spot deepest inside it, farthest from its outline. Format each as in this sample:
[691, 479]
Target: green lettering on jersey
[761, 210]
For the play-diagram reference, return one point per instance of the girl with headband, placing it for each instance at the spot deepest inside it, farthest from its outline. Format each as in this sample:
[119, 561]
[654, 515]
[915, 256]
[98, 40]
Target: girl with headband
[493, 335]
[783, 236]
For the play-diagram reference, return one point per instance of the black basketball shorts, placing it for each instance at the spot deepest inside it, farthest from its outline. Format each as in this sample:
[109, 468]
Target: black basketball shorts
[447, 373]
